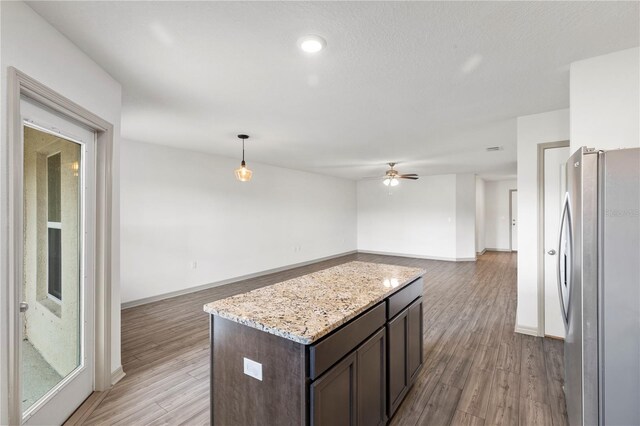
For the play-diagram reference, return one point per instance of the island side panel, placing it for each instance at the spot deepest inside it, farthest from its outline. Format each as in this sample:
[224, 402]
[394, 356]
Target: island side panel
[238, 399]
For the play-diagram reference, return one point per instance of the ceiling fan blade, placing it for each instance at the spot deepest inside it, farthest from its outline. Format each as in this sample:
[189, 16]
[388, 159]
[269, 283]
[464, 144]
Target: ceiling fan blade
[408, 177]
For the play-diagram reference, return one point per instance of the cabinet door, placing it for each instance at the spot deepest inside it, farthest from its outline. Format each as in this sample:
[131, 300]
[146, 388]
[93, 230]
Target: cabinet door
[333, 395]
[397, 334]
[414, 340]
[372, 388]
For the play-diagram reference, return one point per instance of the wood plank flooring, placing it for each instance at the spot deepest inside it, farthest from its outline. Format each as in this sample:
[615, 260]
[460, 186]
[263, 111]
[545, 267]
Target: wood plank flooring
[477, 370]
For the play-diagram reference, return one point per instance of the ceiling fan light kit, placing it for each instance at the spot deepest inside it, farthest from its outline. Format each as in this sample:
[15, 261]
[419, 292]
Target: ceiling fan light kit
[392, 177]
[391, 181]
[243, 174]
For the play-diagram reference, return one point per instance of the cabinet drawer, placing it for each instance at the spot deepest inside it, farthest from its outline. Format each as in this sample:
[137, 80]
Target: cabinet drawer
[397, 302]
[329, 350]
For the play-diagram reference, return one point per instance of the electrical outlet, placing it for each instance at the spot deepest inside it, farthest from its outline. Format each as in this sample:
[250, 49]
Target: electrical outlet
[252, 369]
[194, 265]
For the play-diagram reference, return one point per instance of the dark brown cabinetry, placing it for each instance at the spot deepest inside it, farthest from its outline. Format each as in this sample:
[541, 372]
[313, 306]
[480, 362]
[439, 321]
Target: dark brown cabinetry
[385, 366]
[404, 334]
[397, 331]
[356, 375]
[333, 396]
[353, 392]
[372, 380]
[415, 340]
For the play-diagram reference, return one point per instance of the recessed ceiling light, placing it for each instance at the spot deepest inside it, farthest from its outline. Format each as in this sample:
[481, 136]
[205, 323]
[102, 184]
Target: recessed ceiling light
[312, 43]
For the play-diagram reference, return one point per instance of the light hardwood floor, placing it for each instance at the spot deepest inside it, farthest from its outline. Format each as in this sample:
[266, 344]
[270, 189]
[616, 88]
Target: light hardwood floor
[477, 370]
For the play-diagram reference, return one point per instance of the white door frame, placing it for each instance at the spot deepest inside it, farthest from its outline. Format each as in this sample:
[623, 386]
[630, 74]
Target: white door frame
[19, 84]
[511, 191]
[541, 249]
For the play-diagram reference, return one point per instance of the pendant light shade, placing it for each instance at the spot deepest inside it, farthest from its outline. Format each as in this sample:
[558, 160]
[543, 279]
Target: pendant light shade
[243, 174]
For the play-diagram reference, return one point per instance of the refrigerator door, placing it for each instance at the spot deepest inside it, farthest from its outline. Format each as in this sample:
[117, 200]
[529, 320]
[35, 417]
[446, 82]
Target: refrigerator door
[580, 276]
[573, 339]
[590, 251]
[620, 288]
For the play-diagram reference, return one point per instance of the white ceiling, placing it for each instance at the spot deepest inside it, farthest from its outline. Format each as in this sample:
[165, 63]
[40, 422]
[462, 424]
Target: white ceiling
[426, 84]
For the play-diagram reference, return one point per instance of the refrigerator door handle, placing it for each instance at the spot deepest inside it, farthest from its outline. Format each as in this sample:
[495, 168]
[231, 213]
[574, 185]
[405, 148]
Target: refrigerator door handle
[564, 260]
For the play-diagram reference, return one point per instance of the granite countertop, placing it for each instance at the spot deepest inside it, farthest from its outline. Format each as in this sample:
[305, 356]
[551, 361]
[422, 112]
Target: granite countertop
[306, 308]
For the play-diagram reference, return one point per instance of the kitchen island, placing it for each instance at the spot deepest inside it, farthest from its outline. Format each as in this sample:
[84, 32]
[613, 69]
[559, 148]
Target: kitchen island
[339, 346]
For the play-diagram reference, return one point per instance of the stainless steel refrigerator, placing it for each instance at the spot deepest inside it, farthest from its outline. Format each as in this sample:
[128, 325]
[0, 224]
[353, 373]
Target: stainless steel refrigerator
[599, 286]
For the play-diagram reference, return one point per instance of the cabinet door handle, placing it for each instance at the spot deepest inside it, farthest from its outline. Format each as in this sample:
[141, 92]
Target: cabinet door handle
[551, 252]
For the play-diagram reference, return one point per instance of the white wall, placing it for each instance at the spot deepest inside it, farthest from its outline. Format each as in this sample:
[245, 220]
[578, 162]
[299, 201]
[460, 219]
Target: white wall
[497, 224]
[180, 207]
[418, 218]
[33, 46]
[480, 215]
[605, 99]
[466, 216]
[550, 126]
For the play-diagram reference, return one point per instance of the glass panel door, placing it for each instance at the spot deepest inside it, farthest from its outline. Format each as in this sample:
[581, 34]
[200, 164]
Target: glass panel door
[53, 285]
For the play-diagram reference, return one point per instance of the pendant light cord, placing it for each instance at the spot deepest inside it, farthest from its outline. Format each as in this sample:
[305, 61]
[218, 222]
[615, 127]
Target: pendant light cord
[243, 137]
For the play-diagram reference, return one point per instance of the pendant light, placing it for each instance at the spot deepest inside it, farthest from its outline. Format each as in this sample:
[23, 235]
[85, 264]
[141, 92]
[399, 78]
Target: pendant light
[243, 174]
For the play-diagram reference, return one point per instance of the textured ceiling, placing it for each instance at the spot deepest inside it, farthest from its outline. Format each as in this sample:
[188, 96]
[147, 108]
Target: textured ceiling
[426, 84]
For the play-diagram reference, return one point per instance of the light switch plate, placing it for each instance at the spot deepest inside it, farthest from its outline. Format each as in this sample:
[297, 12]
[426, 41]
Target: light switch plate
[253, 369]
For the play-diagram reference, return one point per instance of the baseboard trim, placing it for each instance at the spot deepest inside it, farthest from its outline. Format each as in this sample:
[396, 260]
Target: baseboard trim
[497, 249]
[151, 299]
[480, 253]
[417, 256]
[524, 329]
[117, 375]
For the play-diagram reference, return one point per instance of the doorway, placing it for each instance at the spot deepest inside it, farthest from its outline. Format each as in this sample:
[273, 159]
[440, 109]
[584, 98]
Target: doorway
[57, 321]
[59, 283]
[552, 188]
[513, 219]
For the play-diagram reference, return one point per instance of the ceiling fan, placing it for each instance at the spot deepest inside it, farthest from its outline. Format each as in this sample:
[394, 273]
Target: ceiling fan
[392, 177]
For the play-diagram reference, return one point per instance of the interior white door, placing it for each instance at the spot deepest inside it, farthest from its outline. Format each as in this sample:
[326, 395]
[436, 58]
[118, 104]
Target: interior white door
[555, 178]
[56, 326]
[513, 195]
